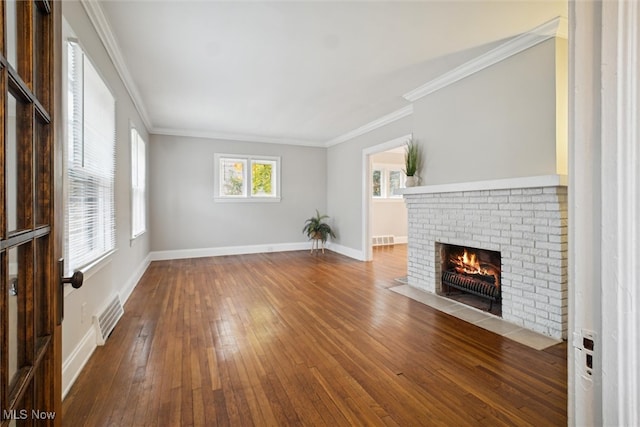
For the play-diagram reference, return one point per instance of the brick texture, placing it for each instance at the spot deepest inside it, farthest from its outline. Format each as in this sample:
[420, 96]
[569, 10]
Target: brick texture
[528, 227]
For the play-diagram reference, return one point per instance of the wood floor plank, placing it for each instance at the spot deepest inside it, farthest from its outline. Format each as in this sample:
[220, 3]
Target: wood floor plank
[298, 339]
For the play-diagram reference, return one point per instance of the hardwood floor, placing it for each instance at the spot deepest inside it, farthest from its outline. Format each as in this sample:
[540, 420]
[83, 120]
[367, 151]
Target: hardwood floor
[298, 339]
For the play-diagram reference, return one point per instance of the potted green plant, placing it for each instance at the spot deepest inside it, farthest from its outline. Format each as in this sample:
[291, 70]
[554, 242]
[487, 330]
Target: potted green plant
[317, 230]
[412, 163]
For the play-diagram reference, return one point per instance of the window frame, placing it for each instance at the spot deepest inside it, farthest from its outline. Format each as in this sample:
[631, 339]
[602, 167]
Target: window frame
[403, 182]
[386, 192]
[135, 139]
[94, 263]
[383, 186]
[246, 195]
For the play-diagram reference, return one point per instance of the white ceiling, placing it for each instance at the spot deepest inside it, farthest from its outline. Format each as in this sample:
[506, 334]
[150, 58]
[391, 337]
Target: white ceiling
[298, 71]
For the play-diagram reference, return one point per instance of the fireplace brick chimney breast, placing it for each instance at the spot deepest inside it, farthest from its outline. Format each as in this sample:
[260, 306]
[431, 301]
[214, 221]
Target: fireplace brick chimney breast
[528, 226]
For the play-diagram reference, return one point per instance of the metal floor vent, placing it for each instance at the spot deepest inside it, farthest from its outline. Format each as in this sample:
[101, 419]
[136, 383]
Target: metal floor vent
[383, 240]
[106, 321]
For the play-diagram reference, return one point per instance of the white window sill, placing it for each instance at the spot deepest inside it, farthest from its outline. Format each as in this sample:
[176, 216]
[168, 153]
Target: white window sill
[246, 199]
[91, 269]
[133, 239]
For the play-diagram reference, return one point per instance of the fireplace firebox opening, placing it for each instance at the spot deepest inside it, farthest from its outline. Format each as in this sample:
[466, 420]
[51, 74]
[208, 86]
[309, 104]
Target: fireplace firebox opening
[471, 276]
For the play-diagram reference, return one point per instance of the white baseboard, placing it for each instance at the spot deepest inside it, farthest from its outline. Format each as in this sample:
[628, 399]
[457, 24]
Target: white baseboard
[72, 367]
[80, 355]
[401, 239]
[343, 250]
[131, 284]
[229, 250]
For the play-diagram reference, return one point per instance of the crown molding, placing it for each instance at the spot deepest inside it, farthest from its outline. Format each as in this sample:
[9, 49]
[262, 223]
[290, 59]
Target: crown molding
[556, 27]
[102, 27]
[562, 32]
[234, 137]
[378, 123]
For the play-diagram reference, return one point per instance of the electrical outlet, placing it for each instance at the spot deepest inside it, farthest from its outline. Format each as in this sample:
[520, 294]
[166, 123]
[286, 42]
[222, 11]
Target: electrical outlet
[83, 312]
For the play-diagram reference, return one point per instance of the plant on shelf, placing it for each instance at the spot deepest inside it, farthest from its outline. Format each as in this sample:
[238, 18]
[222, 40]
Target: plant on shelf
[317, 230]
[412, 162]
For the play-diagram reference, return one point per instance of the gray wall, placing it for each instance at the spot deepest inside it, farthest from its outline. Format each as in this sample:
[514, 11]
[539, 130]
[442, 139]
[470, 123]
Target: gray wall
[120, 272]
[344, 180]
[497, 123]
[185, 216]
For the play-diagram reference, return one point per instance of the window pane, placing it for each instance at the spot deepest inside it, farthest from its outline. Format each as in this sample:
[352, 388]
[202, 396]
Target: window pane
[12, 31]
[12, 164]
[90, 214]
[138, 184]
[263, 178]
[232, 177]
[16, 284]
[395, 182]
[377, 183]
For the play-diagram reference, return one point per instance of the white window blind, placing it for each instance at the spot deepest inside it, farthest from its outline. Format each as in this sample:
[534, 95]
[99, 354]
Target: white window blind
[138, 184]
[90, 211]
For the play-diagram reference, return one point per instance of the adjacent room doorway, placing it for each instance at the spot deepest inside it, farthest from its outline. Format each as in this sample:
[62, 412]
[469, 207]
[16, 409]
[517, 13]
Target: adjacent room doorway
[384, 215]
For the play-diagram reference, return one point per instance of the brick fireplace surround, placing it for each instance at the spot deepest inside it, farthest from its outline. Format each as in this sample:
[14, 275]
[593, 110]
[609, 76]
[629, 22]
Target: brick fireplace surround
[523, 218]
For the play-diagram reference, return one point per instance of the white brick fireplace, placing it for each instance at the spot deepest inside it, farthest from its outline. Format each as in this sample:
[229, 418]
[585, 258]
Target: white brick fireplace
[525, 219]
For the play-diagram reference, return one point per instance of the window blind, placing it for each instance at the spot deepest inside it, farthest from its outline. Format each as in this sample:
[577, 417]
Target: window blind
[90, 210]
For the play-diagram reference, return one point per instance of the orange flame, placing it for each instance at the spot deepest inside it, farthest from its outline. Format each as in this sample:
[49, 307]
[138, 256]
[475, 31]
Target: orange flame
[468, 263]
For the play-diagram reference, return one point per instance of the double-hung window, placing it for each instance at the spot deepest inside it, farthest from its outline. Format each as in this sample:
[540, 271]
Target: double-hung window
[90, 162]
[247, 178]
[138, 184]
[385, 180]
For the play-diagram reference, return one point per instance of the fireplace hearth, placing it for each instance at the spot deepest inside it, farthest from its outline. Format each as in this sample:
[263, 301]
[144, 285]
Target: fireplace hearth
[472, 271]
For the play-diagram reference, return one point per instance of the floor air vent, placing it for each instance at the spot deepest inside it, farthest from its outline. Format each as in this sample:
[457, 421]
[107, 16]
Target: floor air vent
[106, 321]
[383, 240]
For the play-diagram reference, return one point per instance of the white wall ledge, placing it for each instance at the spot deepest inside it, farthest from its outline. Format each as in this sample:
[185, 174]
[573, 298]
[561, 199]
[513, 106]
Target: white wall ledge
[495, 184]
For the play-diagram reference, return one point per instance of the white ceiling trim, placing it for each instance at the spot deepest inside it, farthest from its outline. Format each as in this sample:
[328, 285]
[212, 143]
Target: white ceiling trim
[100, 23]
[234, 137]
[378, 123]
[557, 27]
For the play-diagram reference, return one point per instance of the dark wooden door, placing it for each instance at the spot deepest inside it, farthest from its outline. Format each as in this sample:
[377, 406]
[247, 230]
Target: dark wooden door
[30, 332]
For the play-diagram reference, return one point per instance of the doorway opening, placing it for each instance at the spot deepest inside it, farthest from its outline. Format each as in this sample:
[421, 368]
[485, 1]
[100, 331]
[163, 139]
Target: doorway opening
[384, 214]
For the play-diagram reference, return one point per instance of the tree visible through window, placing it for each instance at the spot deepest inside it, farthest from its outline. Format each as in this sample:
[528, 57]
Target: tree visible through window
[262, 178]
[235, 174]
[232, 171]
[385, 179]
[395, 182]
[377, 183]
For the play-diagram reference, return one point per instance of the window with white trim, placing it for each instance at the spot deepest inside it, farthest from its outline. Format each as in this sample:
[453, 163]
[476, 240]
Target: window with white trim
[247, 178]
[138, 184]
[90, 162]
[378, 183]
[385, 179]
[396, 180]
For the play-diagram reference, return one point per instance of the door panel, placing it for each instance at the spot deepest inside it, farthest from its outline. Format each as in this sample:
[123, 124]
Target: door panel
[30, 365]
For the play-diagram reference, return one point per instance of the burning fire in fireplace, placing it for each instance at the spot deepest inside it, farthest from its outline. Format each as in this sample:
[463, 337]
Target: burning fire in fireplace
[468, 263]
[475, 271]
